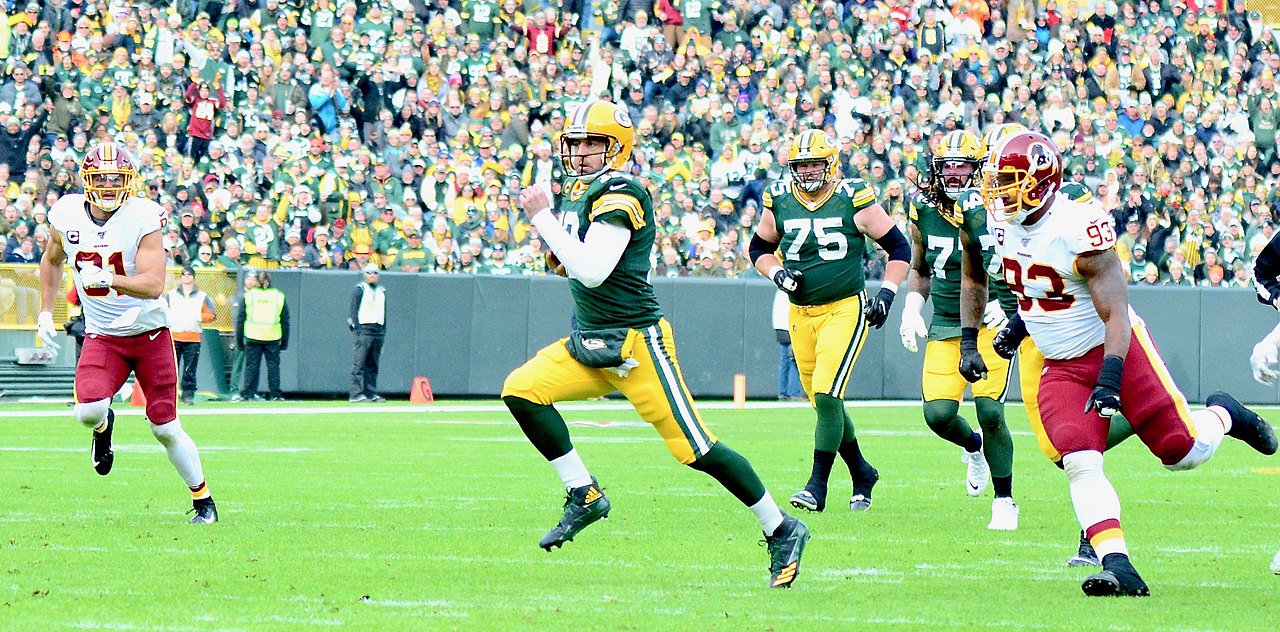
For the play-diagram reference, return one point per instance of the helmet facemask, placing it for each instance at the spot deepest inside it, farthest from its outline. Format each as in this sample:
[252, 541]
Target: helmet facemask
[1007, 193]
[108, 189]
[956, 175]
[571, 152]
[811, 174]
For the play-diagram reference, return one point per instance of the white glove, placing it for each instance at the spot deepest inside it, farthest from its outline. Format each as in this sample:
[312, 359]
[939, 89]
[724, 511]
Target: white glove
[95, 277]
[1264, 356]
[46, 331]
[913, 322]
[993, 316]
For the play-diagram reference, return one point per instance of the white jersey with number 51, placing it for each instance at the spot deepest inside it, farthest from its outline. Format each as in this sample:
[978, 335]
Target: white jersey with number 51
[1039, 266]
[112, 245]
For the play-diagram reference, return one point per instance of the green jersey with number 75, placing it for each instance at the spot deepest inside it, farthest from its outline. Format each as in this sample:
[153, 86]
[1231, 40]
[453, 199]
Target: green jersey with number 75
[820, 239]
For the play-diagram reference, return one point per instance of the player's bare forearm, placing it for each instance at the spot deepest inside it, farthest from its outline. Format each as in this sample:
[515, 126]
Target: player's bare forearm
[973, 281]
[1104, 275]
[51, 272]
[895, 272]
[920, 278]
[766, 263]
[148, 282]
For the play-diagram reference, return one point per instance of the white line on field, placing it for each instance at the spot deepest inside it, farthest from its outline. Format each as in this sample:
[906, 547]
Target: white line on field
[154, 448]
[218, 410]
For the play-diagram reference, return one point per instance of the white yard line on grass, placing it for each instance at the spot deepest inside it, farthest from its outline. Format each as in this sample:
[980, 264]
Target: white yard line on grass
[220, 410]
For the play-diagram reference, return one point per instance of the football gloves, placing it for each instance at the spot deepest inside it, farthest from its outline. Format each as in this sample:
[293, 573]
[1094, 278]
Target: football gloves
[912, 325]
[787, 280]
[878, 308]
[1263, 360]
[92, 276]
[972, 366]
[993, 316]
[1008, 339]
[47, 332]
[1105, 398]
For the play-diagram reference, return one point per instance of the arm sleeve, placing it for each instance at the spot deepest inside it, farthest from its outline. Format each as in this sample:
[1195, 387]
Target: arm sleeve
[238, 321]
[354, 315]
[896, 245]
[592, 260]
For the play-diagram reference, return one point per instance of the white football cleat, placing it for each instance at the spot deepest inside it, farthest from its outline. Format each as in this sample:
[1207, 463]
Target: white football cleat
[1275, 564]
[1004, 515]
[977, 476]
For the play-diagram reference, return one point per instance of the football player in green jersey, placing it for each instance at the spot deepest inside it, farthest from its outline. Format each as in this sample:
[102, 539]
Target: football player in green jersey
[621, 341]
[935, 214]
[810, 243]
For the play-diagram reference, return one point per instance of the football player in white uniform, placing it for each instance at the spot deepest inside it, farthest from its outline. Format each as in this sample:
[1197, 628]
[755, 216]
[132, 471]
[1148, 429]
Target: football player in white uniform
[118, 264]
[1266, 354]
[1059, 259]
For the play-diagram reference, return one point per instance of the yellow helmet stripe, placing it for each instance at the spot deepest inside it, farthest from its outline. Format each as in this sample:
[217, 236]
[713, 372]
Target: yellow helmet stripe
[108, 152]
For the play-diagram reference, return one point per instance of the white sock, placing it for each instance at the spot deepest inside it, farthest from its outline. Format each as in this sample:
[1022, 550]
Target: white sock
[571, 470]
[767, 513]
[1211, 424]
[182, 452]
[1096, 503]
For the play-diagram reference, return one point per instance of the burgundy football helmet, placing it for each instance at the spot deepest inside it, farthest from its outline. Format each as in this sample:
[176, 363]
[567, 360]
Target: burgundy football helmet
[108, 173]
[1022, 172]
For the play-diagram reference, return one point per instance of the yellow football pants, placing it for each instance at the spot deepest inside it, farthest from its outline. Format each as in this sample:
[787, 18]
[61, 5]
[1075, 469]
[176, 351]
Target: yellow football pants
[827, 340]
[655, 388]
[1030, 366]
[942, 379]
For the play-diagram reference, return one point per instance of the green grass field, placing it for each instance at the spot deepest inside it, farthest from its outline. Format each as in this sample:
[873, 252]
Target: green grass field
[428, 518]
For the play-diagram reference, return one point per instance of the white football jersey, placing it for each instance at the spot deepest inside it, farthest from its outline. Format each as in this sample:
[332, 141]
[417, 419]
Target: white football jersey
[110, 246]
[1039, 266]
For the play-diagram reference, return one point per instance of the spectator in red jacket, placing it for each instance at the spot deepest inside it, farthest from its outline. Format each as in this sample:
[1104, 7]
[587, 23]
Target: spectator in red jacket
[204, 102]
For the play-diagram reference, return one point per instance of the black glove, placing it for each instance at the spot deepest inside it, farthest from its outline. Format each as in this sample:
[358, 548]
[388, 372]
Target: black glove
[1010, 337]
[351, 324]
[284, 346]
[1105, 397]
[787, 280]
[1274, 291]
[784, 336]
[972, 366]
[878, 308]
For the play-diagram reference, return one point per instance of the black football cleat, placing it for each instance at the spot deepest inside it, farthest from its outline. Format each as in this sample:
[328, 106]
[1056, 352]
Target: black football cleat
[1246, 425]
[1085, 555]
[582, 506]
[1118, 578]
[786, 545]
[809, 500]
[862, 487]
[103, 457]
[206, 512]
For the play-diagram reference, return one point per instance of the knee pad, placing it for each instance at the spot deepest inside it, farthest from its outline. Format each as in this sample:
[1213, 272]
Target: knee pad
[91, 414]
[1083, 464]
[167, 433]
[990, 411]
[940, 413]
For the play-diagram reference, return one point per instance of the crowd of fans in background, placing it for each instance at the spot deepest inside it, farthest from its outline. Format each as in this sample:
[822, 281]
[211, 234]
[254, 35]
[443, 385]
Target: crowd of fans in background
[338, 133]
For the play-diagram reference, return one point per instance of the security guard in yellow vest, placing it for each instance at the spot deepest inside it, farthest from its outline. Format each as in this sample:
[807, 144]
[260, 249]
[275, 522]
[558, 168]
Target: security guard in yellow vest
[262, 329]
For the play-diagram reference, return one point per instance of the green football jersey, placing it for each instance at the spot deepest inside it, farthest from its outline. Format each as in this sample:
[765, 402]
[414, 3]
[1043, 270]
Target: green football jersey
[820, 239]
[970, 207]
[626, 298]
[940, 240]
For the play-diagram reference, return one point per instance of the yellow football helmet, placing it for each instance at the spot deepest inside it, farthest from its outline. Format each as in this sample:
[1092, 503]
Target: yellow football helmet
[809, 147]
[957, 161]
[995, 133]
[598, 120]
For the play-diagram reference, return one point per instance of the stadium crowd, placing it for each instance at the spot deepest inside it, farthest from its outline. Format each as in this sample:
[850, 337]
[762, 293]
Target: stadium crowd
[337, 133]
